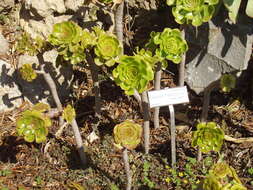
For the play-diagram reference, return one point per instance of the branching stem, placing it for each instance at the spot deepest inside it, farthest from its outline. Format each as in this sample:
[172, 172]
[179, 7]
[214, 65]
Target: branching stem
[127, 169]
[146, 129]
[158, 74]
[182, 64]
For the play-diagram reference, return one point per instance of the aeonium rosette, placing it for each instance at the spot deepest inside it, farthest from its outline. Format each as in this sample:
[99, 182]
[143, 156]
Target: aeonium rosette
[108, 49]
[127, 134]
[133, 72]
[193, 12]
[65, 33]
[33, 126]
[171, 44]
[208, 137]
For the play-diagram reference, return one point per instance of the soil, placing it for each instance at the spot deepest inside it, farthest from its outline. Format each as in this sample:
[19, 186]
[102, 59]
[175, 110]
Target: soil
[55, 164]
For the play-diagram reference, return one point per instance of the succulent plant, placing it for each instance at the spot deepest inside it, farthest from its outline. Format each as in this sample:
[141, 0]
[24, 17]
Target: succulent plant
[33, 126]
[108, 49]
[65, 33]
[227, 82]
[193, 12]
[27, 72]
[69, 113]
[222, 177]
[133, 72]
[26, 44]
[127, 134]
[170, 44]
[208, 137]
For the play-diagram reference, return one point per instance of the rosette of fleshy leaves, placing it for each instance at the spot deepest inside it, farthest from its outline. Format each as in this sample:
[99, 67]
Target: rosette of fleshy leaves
[69, 113]
[26, 44]
[227, 82]
[133, 72]
[193, 12]
[168, 44]
[27, 72]
[222, 177]
[71, 41]
[108, 48]
[127, 134]
[208, 137]
[33, 124]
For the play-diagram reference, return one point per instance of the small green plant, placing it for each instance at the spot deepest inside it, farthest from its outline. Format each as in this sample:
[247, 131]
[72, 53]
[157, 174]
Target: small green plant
[127, 134]
[133, 72]
[107, 49]
[222, 177]
[33, 125]
[168, 44]
[4, 173]
[227, 82]
[193, 12]
[208, 137]
[69, 113]
[27, 72]
[146, 170]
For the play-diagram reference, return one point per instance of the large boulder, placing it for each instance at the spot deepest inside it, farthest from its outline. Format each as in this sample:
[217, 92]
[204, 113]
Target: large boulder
[215, 48]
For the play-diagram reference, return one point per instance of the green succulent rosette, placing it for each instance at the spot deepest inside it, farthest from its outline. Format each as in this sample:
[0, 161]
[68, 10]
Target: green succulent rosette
[227, 82]
[193, 12]
[127, 134]
[133, 72]
[65, 33]
[33, 126]
[222, 177]
[27, 72]
[108, 49]
[69, 113]
[208, 137]
[171, 44]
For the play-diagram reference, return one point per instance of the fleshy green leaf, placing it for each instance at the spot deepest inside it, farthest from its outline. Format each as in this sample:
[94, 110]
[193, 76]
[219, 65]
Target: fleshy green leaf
[249, 8]
[69, 113]
[128, 134]
[208, 137]
[27, 72]
[32, 125]
[41, 107]
[233, 8]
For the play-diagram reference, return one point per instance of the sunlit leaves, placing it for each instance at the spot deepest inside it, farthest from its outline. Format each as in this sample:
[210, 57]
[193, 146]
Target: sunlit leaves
[133, 72]
[193, 12]
[168, 44]
[69, 113]
[222, 177]
[127, 134]
[33, 126]
[208, 137]
[27, 72]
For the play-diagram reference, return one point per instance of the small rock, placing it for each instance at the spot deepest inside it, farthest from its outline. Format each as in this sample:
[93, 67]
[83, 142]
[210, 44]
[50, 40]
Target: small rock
[4, 45]
[73, 5]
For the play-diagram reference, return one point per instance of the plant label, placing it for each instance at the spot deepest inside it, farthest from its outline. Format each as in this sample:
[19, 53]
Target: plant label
[169, 96]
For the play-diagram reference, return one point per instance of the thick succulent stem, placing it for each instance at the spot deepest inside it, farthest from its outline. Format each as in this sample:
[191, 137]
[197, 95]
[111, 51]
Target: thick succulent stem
[56, 98]
[205, 107]
[158, 74]
[146, 129]
[173, 136]
[119, 13]
[182, 64]
[127, 169]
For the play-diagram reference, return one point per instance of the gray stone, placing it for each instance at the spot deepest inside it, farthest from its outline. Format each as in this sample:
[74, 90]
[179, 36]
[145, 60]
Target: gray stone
[73, 5]
[10, 95]
[4, 45]
[6, 3]
[216, 48]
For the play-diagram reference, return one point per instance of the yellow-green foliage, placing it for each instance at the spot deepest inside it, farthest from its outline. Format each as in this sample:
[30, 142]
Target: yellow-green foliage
[33, 124]
[27, 72]
[69, 113]
[227, 82]
[208, 137]
[128, 134]
[222, 177]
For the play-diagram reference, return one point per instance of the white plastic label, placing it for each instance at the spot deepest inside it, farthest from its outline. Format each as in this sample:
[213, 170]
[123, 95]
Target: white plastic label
[170, 96]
